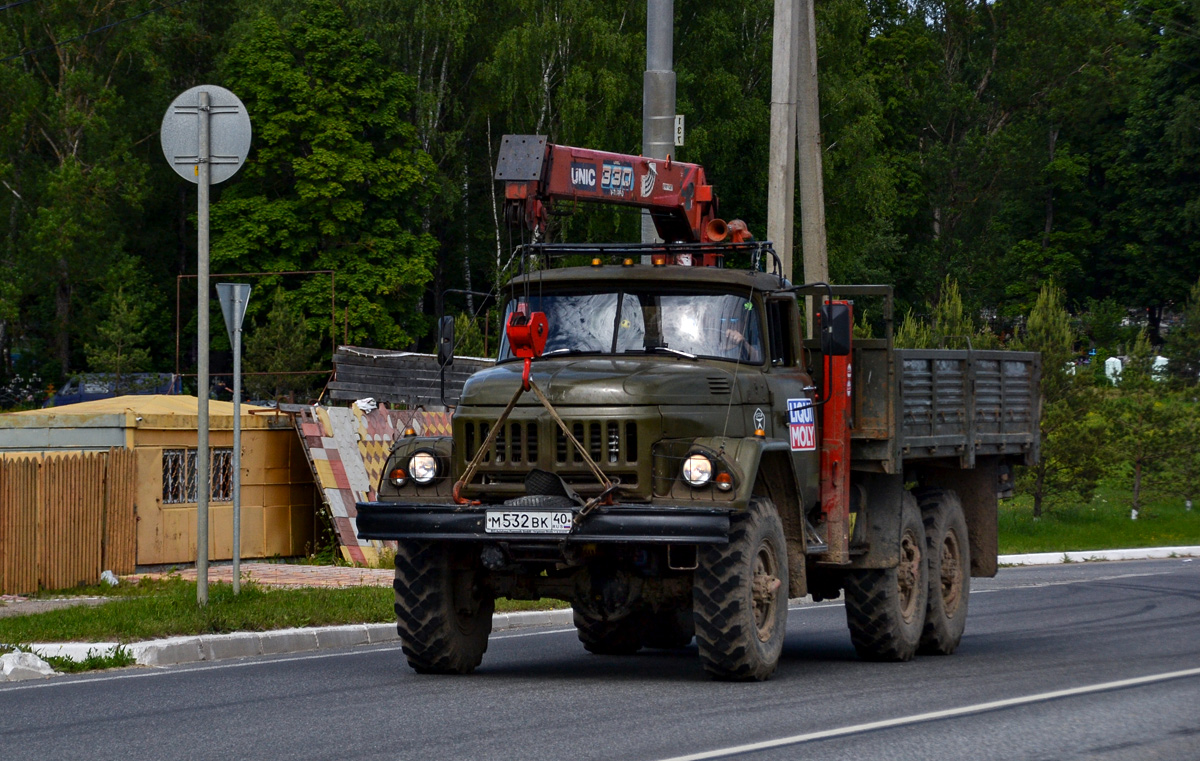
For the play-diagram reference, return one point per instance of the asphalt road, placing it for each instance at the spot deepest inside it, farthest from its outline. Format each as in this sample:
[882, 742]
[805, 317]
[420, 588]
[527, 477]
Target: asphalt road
[1093, 661]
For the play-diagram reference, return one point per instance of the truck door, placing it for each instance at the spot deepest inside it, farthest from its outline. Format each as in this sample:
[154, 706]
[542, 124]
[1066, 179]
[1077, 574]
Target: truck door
[792, 413]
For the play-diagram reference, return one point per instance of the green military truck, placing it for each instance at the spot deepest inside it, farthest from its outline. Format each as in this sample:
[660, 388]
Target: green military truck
[659, 446]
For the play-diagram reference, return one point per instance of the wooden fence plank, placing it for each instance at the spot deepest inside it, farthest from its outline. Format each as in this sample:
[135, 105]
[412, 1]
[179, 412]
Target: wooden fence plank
[120, 520]
[18, 526]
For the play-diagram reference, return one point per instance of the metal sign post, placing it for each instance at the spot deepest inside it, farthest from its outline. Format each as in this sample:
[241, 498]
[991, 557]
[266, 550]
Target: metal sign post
[233, 298]
[205, 138]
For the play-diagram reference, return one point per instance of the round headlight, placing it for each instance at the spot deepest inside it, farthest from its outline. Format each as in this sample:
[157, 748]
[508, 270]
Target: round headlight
[423, 467]
[697, 470]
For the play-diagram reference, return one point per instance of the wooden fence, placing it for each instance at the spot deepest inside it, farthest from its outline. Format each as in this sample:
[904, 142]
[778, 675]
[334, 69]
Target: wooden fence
[66, 517]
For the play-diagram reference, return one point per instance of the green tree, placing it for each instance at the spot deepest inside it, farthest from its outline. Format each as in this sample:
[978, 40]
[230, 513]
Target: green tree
[1073, 434]
[119, 347]
[280, 345]
[336, 180]
[1183, 343]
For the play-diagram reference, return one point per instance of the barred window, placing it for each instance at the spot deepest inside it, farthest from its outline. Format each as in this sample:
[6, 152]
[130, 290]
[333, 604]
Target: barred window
[179, 476]
[222, 476]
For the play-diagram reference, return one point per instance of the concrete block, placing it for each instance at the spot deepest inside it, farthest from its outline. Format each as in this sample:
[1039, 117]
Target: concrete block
[167, 652]
[342, 636]
[381, 633]
[288, 641]
[17, 667]
[76, 651]
[218, 647]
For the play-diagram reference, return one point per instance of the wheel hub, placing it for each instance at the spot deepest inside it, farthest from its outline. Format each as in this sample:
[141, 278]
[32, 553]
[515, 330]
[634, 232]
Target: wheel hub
[765, 591]
[908, 574]
[952, 576]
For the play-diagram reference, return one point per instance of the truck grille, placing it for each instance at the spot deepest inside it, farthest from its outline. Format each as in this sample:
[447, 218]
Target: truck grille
[609, 442]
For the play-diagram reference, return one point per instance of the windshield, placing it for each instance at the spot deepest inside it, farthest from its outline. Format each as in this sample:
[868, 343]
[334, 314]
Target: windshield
[720, 326]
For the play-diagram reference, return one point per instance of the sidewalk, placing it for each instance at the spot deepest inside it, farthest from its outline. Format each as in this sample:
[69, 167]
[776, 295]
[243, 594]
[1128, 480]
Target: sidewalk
[178, 650]
[287, 575]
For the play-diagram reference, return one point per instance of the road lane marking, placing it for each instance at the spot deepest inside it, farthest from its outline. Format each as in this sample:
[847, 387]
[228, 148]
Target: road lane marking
[949, 713]
[1067, 582]
[210, 666]
[250, 660]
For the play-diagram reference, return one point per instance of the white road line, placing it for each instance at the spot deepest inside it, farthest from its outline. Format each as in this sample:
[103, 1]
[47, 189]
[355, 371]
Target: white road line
[1039, 584]
[252, 660]
[950, 713]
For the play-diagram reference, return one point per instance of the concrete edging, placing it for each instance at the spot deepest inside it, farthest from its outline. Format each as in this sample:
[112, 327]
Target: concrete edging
[215, 647]
[1082, 556]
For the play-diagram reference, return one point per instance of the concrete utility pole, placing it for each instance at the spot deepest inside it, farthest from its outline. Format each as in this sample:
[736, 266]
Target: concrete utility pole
[203, 458]
[781, 173]
[808, 148]
[658, 92]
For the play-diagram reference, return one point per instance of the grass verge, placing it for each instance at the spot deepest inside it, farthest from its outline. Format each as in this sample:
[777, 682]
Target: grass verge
[160, 608]
[1102, 524]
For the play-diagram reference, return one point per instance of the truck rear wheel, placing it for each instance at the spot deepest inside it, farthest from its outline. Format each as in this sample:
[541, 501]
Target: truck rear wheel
[608, 637]
[740, 597]
[949, 554]
[669, 629]
[885, 607]
[443, 613]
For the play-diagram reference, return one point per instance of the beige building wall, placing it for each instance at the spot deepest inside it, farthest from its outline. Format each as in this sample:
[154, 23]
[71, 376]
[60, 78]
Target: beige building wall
[278, 499]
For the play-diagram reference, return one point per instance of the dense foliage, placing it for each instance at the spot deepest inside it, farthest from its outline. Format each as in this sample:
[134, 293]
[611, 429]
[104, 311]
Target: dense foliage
[1000, 145]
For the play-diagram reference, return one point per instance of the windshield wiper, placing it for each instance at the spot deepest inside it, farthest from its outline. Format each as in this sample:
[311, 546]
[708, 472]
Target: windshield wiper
[669, 350]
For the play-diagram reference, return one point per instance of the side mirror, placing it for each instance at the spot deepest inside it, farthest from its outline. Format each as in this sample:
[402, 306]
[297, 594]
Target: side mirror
[445, 355]
[836, 329]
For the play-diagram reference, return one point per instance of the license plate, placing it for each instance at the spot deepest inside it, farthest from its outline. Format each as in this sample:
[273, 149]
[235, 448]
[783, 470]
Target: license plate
[528, 521]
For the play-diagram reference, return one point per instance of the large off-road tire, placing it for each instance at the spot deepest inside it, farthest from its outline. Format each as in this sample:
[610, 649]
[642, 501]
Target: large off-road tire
[740, 597]
[608, 637]
[669, 629]
[443, 613]
[949, 555]
[885, 608]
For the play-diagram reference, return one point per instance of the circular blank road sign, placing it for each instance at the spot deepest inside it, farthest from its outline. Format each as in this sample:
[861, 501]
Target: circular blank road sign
[228, 134]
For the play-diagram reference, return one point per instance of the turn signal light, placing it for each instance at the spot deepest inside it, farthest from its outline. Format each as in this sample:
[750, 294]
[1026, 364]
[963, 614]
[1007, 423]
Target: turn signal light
[659, 260]
[724, 481]
[628, 262]
[596, 262]
[398, 477]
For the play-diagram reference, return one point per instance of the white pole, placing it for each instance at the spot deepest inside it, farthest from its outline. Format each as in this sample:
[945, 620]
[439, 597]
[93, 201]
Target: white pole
[237, 447]
[202, 454]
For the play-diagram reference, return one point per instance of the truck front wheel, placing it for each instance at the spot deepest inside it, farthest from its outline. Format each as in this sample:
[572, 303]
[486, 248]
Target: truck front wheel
[949, 554]
[443, 612]
[885, 607]
[740, 597]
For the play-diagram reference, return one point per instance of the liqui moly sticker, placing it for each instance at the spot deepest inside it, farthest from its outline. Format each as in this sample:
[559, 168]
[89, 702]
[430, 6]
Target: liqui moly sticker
[802, 427]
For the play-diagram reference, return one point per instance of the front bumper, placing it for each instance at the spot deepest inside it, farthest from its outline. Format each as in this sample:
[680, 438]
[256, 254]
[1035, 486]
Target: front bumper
[620, 523]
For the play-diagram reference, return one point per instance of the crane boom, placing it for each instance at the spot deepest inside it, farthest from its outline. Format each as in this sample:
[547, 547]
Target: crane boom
[536, 174]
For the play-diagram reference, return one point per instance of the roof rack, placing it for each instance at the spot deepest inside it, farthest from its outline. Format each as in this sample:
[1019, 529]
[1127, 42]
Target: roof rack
[762, 253]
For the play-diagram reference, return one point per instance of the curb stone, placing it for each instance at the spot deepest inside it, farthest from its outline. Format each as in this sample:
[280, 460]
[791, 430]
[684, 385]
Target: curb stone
[174, 651]
[1054, 558]
[180, 650]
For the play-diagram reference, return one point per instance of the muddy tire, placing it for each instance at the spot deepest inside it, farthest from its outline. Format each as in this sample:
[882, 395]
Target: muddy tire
[608, 637]
[949, 558]
[443, 613]
[885, 608]
[740, 597]
[669, 629]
